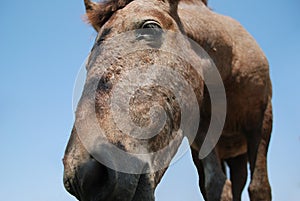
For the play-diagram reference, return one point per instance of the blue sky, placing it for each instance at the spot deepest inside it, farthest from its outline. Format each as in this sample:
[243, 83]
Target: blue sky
[44, 43]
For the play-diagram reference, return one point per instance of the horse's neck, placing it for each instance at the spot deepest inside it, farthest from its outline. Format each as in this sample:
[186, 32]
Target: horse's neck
[222, 37]
[207, 29]
[198, 21]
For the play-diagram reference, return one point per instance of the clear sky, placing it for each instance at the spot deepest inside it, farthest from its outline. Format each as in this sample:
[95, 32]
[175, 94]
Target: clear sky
[44, 43]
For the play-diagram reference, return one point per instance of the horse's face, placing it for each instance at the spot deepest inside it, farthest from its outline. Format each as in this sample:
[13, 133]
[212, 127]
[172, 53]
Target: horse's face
[140, 77]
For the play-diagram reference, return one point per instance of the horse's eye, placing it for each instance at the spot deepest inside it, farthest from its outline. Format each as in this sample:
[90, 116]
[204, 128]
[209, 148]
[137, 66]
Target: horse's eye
[151, 25]
[150, 31]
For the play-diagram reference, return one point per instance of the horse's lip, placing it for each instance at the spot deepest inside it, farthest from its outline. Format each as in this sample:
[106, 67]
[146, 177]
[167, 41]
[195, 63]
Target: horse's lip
[112, 194]
[105, 194]
[77, 187]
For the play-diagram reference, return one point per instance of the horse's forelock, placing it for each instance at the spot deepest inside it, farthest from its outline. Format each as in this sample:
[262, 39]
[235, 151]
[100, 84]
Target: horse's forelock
[105, 9]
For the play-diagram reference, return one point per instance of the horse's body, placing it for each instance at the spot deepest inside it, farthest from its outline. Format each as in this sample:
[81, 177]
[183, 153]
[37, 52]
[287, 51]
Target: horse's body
[245, 74]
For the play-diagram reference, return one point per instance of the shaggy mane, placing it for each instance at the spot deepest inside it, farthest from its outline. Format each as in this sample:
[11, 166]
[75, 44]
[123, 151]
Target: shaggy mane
[105, 9]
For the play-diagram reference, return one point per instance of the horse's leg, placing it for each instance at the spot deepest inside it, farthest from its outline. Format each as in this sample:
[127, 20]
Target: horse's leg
[217, 186]
[212, 181]
[200, 170]
[258, 142]
[238, 175]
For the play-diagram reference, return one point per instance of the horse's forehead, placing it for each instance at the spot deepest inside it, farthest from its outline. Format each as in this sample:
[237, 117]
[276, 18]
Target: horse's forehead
[147, 5]
[137, 11]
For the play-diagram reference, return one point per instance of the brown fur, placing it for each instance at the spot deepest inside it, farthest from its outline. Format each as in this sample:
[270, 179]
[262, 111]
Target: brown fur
[104, 10]
[245, 73]
[99, 13]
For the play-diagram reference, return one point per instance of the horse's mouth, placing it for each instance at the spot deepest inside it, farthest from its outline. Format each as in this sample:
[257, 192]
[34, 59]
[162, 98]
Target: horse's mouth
[127, 187]
[95, 182]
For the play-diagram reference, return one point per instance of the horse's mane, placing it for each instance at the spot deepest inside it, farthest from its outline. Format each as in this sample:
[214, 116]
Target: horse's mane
[105, 9]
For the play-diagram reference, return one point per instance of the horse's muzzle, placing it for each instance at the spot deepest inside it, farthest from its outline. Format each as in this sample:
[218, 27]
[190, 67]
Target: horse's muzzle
[89, 180]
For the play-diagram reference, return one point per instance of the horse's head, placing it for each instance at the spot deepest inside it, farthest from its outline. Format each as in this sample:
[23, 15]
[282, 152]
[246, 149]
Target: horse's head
[141, 96]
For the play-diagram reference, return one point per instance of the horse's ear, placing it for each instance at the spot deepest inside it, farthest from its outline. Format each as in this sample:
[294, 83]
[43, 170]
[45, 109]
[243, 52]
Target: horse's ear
[90, 6]
[91, 10]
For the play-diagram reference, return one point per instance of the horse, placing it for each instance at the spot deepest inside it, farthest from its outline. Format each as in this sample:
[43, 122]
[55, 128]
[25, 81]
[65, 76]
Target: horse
[121, 144]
